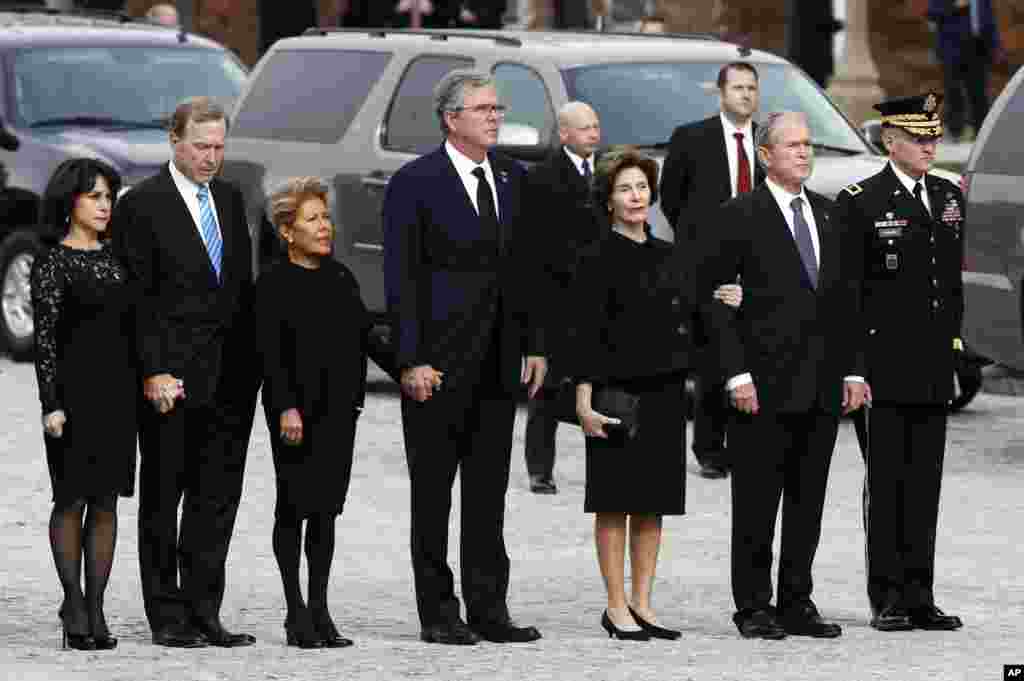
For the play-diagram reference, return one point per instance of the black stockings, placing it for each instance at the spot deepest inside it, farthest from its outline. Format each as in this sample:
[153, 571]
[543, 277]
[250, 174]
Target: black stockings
[95, 535]
[319, 555]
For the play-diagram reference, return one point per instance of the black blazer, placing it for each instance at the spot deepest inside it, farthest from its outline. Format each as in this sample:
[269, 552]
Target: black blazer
[186, 318]
[798, 342]
[561, 219]
[695, 179]
[448, 284]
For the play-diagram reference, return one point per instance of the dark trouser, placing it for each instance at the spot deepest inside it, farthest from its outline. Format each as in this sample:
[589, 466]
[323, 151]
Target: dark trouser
[968, 76]
[194, 456]
[471, 429]
[711, 413]
[906, 445]
[787, 456]
[541, 427]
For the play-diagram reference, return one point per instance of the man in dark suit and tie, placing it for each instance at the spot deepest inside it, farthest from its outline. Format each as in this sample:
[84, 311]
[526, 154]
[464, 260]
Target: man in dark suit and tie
[563, 218]
[457, 297]
[792, 365]
[708, 163]
[183, 237]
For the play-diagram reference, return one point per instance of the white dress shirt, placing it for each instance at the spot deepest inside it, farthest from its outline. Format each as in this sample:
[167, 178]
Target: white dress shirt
[909, 182]
[577, 160]
[734, 157]
[189, 191]
[465, 166]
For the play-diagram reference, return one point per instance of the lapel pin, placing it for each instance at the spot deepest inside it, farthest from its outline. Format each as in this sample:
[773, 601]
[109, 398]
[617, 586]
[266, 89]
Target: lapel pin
[503, 176]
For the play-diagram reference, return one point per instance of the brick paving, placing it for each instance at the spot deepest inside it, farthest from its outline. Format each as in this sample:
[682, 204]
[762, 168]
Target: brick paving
[555, 582]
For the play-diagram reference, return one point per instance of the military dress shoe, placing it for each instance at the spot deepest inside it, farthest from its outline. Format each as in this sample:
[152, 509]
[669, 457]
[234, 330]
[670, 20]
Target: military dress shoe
[216, 635]
[759, 624]
[454, 633]
[892, 618]
[713, 471]
[540, 484]
[933, 619]
[178, 636]
[804, 620]
[505, 632]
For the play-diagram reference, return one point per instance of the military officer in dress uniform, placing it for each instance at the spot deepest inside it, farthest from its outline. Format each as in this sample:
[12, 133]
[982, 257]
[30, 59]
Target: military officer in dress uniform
[912, 305]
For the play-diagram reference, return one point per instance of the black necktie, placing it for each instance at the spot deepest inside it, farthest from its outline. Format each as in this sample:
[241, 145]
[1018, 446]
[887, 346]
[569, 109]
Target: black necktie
[587, 174]
[485, 204]
[804, 244]
[917, 194]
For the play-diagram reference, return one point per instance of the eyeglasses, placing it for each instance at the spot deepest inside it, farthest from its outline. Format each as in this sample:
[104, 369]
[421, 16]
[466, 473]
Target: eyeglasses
[485, 109]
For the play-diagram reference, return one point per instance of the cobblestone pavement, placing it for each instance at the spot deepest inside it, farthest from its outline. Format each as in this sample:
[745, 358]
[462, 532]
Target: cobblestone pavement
[555, 582]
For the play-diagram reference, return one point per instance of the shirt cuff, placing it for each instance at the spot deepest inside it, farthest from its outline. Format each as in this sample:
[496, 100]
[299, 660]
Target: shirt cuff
[854, 379]
[738, 380]
[958, 345]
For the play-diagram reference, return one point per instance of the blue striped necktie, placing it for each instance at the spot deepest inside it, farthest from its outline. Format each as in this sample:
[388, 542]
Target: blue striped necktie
[208, 225]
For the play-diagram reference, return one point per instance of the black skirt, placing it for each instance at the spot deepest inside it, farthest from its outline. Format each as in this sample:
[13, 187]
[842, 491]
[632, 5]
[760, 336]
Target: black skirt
[645, 474]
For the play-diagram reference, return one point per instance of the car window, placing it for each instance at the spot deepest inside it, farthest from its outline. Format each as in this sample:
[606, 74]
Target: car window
[1003, 153]
[137, 85]
[641, 104]
[309, 95]
[412, 125]
[530, 119]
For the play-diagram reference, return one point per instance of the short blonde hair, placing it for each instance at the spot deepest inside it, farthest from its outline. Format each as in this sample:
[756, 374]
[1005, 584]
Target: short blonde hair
[285, 202]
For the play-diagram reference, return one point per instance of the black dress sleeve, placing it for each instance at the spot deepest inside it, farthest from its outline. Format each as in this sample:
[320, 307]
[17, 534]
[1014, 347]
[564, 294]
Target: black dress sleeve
[587, 355]
[48, 282]
[279, 371]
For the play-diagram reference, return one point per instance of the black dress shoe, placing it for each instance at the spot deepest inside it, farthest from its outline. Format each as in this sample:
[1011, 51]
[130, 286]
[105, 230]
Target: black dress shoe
[622, 634]
[713, 471]
[178, 636]
[540, 484]
[505, 632]
[328, 633]
[454, 633]
[300, 632]
[653, 630]
[892, 618]
[759, 624]
[933, 619]
[804, 620]
[216, 635]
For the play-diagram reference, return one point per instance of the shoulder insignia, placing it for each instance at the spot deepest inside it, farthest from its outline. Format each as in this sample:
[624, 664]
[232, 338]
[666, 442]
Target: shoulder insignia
[853, 189]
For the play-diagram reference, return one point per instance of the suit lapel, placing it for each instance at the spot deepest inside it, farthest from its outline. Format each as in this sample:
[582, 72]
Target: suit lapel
[784, 236]
[221, 198]
[827, 238]
[503, 191]
[719, 155]
[452, 179]
[187, 235]
[567, 171]
[759, 174]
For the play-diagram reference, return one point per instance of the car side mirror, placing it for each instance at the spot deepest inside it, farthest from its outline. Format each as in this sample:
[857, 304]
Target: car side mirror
[872, 129]
[8, 140]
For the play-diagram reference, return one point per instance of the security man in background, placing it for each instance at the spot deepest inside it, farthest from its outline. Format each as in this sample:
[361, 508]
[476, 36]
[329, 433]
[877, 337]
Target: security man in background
[912, 304]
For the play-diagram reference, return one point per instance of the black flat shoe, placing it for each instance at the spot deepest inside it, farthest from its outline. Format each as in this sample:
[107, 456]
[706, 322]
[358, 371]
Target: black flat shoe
[933, 619]
[505, 632]
[892, 618]
[542, 485]
[454, 633]
[615, 632]
[328, 633]
[300, 632]
[653, 630]
[216, 635]
[178, 636]
[713, 471]
[759, 624]
[106, 642]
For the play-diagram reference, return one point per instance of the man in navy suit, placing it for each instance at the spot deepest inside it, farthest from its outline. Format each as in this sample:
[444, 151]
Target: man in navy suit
[792, 362]
[457, 297]
[967, 44]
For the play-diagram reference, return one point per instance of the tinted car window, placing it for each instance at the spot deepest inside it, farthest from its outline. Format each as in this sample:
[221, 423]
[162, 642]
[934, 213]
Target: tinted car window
[643, 103]
[412, 125]
[1004, 147]
[139, 85]
[309, 95]
[529, 120]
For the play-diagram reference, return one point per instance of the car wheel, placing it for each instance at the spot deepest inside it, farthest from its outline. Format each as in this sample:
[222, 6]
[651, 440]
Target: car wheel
[966, 384]
[17, 325]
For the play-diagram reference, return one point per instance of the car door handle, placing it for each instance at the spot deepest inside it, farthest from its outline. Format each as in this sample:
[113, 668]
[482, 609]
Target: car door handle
[377, 178]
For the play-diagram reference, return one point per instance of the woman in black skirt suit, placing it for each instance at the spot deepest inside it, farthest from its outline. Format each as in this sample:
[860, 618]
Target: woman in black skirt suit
[639, 315]
[87, 387]
[316, 338]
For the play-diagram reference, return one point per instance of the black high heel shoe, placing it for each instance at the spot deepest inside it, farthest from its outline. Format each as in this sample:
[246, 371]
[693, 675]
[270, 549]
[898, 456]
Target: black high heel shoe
[329, 634]
[105, 642]
[653, 630]
[615, 632]
[70, 639]
[299, 631]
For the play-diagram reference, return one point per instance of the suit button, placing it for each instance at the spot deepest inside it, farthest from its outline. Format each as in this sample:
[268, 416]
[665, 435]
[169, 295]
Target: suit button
[675, 301]
[681, 329]
[872, 332]
[933, 241]
[935, 304]
[935, 282]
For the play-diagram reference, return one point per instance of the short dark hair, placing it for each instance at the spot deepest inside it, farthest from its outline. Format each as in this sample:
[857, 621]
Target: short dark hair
[723, 73]
[71, 179]
[613, 162]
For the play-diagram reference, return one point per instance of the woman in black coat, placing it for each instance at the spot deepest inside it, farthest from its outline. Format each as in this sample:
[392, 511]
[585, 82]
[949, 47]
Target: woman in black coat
[87, 387]
[638, 318]
[316, 339]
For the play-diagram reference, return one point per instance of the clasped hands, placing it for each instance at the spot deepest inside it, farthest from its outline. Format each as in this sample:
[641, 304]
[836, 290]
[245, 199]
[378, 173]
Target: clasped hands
[420, 382]
[856, 394]
[162, 391]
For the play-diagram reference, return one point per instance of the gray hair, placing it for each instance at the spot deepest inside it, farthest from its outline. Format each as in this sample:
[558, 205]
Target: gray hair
[767, 130]
[450, 92]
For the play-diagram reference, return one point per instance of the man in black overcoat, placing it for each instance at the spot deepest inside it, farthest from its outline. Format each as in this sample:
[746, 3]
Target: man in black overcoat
[792, 365]
[563, 219]
[183, 237]
[911, 224]
[458, 295]
[707, 164]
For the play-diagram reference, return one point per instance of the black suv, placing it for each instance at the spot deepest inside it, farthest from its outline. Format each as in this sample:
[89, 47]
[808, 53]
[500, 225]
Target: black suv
[86, 84]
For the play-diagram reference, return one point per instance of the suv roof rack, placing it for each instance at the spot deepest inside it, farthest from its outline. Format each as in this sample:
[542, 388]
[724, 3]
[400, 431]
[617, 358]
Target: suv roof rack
[637, 34]
[113, 15]
[440, 34]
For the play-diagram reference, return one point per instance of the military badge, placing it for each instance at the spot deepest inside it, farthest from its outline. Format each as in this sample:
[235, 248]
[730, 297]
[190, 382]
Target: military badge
[951, 213]
[892, 262]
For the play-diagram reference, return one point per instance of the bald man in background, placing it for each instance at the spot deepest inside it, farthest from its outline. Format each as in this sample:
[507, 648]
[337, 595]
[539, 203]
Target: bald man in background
[564, 219]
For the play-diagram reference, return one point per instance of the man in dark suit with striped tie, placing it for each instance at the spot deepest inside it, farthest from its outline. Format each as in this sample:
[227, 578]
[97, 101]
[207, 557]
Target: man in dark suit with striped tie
[458, 296]
[708, 163]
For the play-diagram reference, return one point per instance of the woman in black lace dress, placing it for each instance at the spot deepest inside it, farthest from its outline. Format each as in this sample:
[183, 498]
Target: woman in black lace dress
[87, 388]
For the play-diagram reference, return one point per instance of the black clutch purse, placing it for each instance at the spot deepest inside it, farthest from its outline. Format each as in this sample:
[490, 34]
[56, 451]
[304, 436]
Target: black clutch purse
[616, 403]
